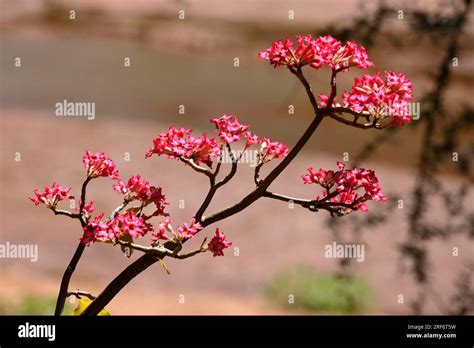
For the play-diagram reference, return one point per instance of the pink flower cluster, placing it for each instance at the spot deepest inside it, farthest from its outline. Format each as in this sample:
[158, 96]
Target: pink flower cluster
[88, 207]
[389, 98]
[180, 143]
[140, 189]
[186, 231]
[189, 230]
[98, 165]
[229, 129]
[218, 243]
[51, 196]
[325, 50]
[272, 149]
[345, 183]
[128, 223]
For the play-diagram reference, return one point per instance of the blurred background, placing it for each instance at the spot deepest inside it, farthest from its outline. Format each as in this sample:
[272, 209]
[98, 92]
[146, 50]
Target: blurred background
[202, 55]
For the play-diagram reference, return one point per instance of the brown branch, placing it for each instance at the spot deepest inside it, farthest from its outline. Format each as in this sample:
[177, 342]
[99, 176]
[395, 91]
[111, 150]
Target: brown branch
[149, 259]
[196, 167]
[309, 91]
[63, 289]
[66, 213]
[354, 123]
[79, 293]
[312, 205]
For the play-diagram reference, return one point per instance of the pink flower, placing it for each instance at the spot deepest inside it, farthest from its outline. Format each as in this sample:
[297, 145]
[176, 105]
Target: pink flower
[128, 223]
[272, 149]
[140, 189]
[280, 53]
[350, 186]
[51, 196]
[229, 129]
[160, 232]
[92, 230]
[135, 188]
[158, 198]
[88, 207]
[381, 99]
[188, 231]
[180, 143]
[324, 100]
[218, 243]
[251, 139]
[133, 225]
[325, 50]
[98, 165]
[350, 55]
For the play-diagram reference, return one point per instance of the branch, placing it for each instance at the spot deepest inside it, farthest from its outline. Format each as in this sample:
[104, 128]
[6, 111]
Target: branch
[256, 178]
[119, 209]
[233, 170]
[80, 293]
[313, 205]
[149, 259]
[333, 94]
[196, 167]
[63, 289]
[83, 197]
[309, 91]
[134, 269]
[66, 213]
[215, 186]
[354, 123]
[66, 278]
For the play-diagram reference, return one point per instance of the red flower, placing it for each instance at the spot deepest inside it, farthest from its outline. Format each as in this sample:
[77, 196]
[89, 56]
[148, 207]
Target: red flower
[381, 99]
[325, 50]
[180, 143]
[218, 243]
[229, 129]
[272, 149]
[160, 232]
[51, 196]
[98, 165]
[346, 184]
[188, 231]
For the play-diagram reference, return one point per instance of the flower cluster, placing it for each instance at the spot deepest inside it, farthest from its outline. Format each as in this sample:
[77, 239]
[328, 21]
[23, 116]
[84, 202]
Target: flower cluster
[186, 231]
[140, 189]
[345, 183]
[325, 50]
[126, 224]
[389, 98]
[270, 149]
[51, 196]
[98, 165]
[229, 129]
[162, 229]
[218, 243]
[189, 230]
[180, 143]
[88, 207]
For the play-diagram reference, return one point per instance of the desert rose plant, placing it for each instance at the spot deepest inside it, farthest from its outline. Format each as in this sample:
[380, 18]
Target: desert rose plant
[374, 102]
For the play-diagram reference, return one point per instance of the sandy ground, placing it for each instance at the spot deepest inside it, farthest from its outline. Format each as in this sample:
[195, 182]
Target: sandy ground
[270, 236]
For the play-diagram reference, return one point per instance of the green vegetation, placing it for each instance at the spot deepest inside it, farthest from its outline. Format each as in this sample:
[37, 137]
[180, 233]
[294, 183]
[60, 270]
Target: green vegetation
[31, 305]
[316, 292]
